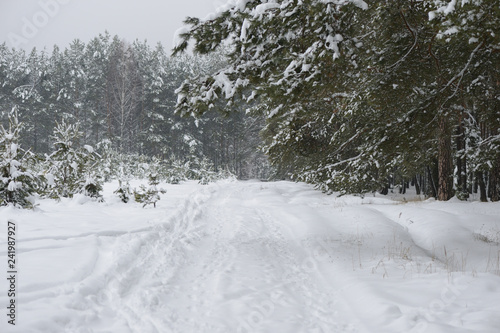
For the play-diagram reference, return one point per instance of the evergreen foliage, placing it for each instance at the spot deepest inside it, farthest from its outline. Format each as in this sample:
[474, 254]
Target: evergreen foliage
[361, 96]
[16, 182]
[151, 194]
[177, 172]
[72, 169]
[123, 94]
[351, 96]
[123, 191]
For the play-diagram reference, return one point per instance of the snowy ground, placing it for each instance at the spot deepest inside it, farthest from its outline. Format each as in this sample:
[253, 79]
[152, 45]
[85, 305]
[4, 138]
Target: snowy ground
[255, 257]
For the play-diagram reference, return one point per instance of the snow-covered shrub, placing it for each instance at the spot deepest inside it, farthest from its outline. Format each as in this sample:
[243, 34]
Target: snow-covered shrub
[204, 172]
[150, 195]
[177, 172]
[16, 183]
[226, 175]
[36, 166]
[108, 159]
[201, 170]
[93, 187]
[123, 191]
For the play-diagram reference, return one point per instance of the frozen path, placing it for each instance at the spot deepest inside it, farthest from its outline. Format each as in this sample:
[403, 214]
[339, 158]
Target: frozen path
[223, 263]
[258, 257]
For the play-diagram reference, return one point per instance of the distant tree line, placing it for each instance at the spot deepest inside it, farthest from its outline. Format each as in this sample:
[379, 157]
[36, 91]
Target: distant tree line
[124, 93]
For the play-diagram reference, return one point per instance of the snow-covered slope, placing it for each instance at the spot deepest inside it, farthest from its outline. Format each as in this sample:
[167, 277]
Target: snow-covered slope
[255, 257]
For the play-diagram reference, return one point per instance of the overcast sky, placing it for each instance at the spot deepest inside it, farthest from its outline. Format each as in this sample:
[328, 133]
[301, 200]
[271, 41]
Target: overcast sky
[43, 23]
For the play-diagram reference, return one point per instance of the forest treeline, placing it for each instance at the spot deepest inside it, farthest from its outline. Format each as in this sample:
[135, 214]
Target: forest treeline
[124, 93]
[351, 96]
[363, 96]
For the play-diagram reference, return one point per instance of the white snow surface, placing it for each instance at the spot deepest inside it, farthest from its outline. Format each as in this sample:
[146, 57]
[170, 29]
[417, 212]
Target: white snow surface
[254, 257]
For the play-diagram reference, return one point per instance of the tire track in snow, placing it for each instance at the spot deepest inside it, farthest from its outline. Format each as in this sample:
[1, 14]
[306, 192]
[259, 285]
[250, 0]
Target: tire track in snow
[222, 263]
[317, 313]
[283, 291]
[127, 293]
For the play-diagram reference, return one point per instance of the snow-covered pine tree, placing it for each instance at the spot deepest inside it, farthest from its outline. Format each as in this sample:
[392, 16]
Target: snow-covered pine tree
[204, 171]
[177, 171]
[356, 97]
[123, 191]
[151, 194]
[72, 169]
[16, 183]
[96, 62]
[467, 57]
[108, 162]
[297, 63]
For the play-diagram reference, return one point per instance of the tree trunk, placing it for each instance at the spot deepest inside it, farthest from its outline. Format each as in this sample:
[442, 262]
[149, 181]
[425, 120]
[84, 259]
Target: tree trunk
[432, 183]
[445, 165]
[417, 184]
[385, 190]
[494, 182]
[461, 164]
[482, 187]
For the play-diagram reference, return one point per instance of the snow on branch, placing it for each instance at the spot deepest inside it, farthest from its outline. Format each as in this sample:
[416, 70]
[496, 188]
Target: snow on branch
[448, 7]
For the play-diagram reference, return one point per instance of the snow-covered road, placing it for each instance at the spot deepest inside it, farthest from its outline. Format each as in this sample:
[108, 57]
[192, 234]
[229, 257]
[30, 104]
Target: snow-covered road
[256, 257]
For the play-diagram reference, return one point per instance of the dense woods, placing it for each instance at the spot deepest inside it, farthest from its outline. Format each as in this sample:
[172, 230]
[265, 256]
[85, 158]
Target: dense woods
[353, 97]
[362, 96]
[124, 93]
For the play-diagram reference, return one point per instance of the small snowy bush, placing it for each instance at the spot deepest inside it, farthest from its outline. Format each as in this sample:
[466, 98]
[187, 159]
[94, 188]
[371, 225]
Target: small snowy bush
[93, 188]
[150, 195]
[123, 191]
[177, 172]
[205, 172]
